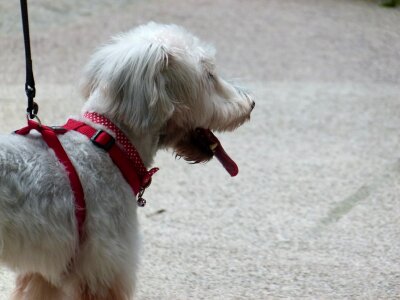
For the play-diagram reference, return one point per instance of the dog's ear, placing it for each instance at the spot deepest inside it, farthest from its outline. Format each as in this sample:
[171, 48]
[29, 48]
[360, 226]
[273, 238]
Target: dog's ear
[142, 91]
[131, 80]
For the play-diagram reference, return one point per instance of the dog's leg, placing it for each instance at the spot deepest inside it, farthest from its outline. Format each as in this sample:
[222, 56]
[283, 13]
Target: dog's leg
[35, 287]
[114, 292]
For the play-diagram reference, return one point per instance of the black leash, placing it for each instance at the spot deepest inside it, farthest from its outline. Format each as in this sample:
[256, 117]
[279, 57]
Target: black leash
[30, 90]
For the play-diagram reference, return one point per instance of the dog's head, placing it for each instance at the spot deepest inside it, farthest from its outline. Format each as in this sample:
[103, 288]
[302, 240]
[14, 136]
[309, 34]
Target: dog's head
[162, 80]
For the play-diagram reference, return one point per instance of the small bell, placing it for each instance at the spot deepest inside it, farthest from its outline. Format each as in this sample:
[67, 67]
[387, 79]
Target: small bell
[141, 202]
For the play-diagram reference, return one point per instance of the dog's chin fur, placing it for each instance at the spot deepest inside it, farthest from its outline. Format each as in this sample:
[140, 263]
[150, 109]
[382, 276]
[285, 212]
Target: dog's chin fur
[158, 83]
[190, 149]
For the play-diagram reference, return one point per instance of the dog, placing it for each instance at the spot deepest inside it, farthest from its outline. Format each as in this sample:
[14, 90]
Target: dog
[158, 84]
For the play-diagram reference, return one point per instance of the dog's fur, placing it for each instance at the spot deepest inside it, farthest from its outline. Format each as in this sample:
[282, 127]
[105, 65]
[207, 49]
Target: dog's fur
[157, 83]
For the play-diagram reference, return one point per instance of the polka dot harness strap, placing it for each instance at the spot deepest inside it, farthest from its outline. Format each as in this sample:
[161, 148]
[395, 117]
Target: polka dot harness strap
[121, 139]
[120, 149]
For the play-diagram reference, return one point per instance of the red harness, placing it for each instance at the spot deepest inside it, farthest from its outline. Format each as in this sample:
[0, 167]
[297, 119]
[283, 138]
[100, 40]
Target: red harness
[120, 149]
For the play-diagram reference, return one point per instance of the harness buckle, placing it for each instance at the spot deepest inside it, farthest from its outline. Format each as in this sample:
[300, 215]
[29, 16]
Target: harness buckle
[59, 129]
[103, 140]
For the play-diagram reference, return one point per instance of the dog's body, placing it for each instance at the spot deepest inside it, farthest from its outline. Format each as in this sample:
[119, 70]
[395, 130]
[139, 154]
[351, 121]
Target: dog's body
[38, 231]
[157, 84]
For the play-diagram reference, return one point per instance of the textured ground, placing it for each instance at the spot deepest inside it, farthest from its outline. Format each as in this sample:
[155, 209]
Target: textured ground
[314, 212]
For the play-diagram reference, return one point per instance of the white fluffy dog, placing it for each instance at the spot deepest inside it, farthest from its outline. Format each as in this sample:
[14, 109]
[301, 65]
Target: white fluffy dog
[157, 83]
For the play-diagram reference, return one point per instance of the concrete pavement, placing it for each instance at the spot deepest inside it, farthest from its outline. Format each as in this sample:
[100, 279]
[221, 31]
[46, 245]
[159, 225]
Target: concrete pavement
[314, 212]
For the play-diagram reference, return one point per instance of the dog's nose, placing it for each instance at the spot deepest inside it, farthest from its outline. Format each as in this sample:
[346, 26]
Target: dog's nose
[253, 104]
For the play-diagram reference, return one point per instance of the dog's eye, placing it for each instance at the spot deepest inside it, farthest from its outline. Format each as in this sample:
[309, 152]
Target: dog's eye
[211, 76]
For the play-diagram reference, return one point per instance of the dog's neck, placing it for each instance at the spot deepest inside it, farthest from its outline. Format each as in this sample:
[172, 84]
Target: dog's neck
[145, 143]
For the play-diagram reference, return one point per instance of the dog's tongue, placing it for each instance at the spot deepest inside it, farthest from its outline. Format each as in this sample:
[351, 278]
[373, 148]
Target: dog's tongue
[208, 139]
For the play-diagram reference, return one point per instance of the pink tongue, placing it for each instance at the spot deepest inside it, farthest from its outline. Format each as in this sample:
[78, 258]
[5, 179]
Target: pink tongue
[209, 139]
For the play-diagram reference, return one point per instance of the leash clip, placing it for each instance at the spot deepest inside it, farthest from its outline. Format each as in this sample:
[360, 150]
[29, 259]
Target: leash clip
[33, 109]
[30, 91]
